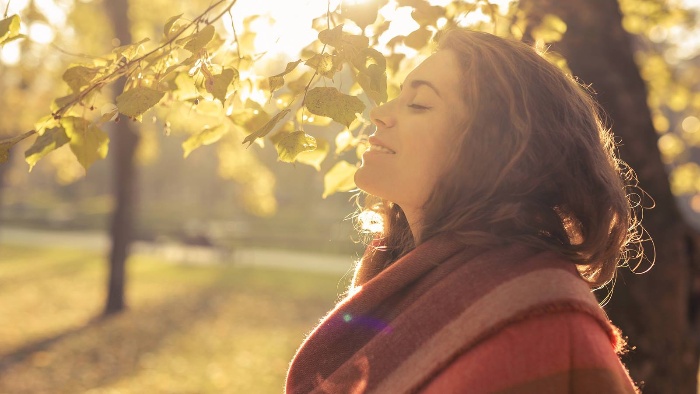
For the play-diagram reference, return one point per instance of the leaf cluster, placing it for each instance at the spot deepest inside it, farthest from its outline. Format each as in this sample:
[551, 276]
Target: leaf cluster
[192, 66]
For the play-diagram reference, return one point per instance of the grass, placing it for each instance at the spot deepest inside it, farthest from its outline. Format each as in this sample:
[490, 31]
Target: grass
[189, 329]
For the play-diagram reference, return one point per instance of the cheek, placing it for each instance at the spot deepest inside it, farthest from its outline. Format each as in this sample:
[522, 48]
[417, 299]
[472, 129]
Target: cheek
[430, 154]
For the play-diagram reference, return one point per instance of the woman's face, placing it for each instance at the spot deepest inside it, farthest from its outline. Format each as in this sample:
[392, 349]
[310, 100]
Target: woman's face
[414, 134]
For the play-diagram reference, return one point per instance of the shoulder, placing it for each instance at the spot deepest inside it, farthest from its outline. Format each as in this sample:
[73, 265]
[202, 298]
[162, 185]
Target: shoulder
[567, 349]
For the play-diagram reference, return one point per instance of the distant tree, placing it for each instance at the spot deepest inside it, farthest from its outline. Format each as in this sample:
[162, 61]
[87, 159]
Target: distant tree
[125, 140]
[659, 310]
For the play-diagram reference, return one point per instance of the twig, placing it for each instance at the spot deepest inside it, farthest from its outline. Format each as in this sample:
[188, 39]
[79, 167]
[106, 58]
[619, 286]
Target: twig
[235, 36]
[124, 68]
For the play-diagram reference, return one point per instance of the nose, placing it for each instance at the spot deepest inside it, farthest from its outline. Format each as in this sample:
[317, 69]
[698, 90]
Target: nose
[383, 116]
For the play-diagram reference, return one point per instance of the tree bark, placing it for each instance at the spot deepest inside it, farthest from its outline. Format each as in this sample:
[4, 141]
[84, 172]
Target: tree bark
[4, 168]
[656, 310]
[124, 140]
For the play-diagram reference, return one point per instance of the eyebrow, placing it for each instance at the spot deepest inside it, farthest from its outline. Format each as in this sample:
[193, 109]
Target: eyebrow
[418, 82]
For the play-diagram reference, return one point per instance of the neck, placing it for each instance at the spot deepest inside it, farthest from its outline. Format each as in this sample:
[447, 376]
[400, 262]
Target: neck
[414, 218]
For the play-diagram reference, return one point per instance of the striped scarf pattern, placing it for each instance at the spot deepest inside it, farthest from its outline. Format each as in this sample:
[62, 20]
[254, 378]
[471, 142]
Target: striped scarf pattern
[398, 330]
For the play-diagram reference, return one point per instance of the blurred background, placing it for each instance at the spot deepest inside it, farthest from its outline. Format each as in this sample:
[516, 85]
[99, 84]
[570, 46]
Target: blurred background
[227, 264]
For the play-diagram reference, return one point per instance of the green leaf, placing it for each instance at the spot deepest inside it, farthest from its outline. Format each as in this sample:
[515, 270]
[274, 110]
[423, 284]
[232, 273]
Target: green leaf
[340, 178]
[169, 24]
[333, 104]
[324, 64]
[315, 157]
[134, 102]
[78, 76]
[87, 141]
[198, 40]
[9, 28]
[51, 140]
[266, 128]
[277, 81]
[207, 136]
[290, 145]
[218, 84]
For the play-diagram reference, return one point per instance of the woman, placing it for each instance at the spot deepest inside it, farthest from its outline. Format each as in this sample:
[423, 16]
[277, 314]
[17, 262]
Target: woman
[502, 204]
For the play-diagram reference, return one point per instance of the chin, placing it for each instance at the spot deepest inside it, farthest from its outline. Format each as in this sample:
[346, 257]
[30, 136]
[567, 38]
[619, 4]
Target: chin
[366, 181]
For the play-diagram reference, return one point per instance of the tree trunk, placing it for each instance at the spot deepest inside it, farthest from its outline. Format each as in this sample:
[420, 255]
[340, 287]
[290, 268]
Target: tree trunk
[4, 168]
[124, 140]
[656, 310]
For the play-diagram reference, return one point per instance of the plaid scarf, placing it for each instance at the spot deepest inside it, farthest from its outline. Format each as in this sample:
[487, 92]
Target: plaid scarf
[398, 330]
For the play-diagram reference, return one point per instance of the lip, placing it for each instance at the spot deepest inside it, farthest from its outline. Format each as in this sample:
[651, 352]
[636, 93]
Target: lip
[376, 141]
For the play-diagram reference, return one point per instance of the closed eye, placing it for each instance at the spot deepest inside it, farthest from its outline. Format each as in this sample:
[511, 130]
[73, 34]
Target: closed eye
[418, 107]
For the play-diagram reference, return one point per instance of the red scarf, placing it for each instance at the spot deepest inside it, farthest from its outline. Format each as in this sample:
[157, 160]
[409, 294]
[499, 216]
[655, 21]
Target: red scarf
[401, 328]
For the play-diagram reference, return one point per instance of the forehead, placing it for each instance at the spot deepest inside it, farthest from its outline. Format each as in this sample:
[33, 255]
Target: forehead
[440, 69]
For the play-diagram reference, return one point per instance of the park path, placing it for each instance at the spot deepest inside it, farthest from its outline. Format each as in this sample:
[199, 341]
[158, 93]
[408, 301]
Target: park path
[183, 254]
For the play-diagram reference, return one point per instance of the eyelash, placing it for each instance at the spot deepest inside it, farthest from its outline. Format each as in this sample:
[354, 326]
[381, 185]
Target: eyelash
[418, 107]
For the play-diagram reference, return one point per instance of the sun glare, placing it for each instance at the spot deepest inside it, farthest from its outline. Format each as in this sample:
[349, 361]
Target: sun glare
[41, 33]
[10, 54]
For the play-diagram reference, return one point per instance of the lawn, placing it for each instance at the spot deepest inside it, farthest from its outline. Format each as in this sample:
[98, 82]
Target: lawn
[189, 329]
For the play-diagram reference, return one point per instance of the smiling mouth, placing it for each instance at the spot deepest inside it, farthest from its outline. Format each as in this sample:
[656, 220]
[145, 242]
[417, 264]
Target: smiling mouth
[379, 148]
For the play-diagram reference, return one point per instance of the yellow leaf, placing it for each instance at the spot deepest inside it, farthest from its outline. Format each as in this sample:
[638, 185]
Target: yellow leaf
[169, 24]
[207, 136]
[4, 152]
[371, 65]
[78, 76]
[343, 141]
[290, 145]
[346, 44]
[425, 14]
[340, 178]
[315, 157]
[277, 81]
[87, 142]
[129, 51]
[418, 38]
[108, 112]
[218, 84]
[266, 128]
[198, 40]
[363, 13]
[49, 141]
[9, 28]
[332, 37]
[550, 30]
[7, 144]
[45, 123]
[333, 104]
[324, 64]
[134, 102]
[361, 148]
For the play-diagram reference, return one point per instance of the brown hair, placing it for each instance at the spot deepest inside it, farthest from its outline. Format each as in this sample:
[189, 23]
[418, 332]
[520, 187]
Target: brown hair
[534, 164]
